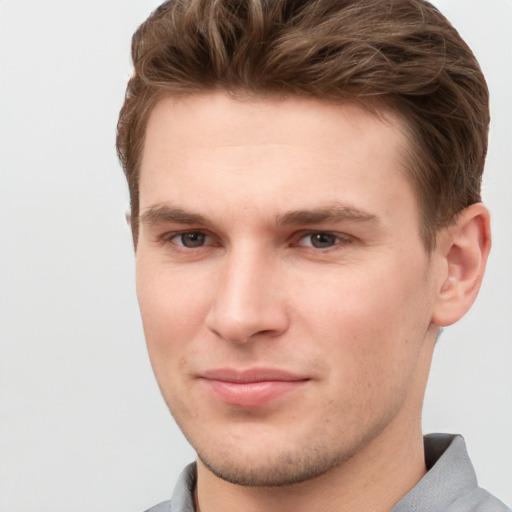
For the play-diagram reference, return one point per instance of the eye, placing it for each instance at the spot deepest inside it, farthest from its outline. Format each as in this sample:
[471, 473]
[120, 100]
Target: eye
[320, 240]
[191, 239]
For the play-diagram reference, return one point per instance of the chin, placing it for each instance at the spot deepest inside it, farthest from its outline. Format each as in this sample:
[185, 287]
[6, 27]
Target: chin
[272, 468]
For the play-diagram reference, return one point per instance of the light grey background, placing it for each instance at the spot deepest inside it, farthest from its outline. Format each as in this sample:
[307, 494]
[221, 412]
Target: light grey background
[82, 425]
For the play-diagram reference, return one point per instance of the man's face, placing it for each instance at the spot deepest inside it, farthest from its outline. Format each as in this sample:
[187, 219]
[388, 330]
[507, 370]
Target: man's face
[285, 292]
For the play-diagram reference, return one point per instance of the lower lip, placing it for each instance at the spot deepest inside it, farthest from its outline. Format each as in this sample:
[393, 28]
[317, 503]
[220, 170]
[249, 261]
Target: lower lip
[251, 394]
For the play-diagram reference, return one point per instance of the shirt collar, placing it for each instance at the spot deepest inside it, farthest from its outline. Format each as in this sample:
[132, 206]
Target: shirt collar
[450, 475]
[182, 498]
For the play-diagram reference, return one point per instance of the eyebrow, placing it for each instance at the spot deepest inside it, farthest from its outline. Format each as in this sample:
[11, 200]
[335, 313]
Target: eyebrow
[160, 214]
[334, 213]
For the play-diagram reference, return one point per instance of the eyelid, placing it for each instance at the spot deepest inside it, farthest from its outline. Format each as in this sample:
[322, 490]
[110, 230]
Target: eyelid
[342, 238]
[170, 236]
[295, 239]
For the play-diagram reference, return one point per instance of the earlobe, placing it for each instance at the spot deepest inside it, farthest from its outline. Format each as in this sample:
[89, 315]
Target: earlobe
[463, 249]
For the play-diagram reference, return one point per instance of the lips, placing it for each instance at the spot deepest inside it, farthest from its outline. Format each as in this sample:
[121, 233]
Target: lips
[255, 387]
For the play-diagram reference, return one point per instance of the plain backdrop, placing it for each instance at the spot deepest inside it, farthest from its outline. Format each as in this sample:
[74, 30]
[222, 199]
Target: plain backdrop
[82, 425]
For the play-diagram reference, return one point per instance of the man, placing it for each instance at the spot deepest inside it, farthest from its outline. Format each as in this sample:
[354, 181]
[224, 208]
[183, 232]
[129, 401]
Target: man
[305, 194]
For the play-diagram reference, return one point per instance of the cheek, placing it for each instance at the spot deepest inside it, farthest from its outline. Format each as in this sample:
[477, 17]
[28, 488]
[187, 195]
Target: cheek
[173, 307]
[368, 322]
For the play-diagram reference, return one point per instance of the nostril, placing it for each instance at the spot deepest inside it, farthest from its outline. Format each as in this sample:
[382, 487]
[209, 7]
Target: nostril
[246, 328]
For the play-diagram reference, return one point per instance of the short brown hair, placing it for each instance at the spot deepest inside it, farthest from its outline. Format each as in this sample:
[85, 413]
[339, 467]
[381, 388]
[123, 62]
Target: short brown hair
[402, 54]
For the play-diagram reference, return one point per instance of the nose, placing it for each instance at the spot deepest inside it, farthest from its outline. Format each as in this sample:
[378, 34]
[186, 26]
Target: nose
[249, 299]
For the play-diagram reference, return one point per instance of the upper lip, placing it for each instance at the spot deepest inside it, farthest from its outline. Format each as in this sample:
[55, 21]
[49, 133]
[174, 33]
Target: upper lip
[248, 375]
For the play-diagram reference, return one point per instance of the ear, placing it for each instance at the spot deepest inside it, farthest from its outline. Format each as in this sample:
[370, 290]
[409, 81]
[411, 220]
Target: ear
[462, 249]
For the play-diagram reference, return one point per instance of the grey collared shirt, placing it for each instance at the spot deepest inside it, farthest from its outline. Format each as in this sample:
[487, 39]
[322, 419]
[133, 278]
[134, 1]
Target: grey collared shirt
[450, 484]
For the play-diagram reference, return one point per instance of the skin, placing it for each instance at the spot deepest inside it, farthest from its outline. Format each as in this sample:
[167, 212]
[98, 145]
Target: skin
[284, 234]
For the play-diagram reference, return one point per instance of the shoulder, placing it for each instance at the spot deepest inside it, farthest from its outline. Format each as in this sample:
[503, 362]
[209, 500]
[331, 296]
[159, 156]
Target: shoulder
[183, 495]
[165, 506]
[479, 500]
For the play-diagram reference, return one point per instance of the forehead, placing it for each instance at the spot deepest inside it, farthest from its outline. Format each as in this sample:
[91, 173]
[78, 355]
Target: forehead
[270, 119]
[213, 150]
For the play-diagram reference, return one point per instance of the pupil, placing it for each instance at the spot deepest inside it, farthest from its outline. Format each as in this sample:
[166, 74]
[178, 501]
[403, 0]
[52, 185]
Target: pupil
[322, 240]
[192, 239]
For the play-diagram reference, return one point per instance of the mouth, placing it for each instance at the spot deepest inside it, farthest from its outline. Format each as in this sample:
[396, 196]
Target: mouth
[253, 387]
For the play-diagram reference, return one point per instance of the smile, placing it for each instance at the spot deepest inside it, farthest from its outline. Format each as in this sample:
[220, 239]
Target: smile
[251, 388]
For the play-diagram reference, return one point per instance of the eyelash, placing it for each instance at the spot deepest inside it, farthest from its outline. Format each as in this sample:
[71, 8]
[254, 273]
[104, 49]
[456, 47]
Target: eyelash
[171, 237]
[336, 238]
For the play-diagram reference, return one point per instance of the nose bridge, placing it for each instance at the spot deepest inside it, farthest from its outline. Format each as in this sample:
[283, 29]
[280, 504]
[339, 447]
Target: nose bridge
[247, 299]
